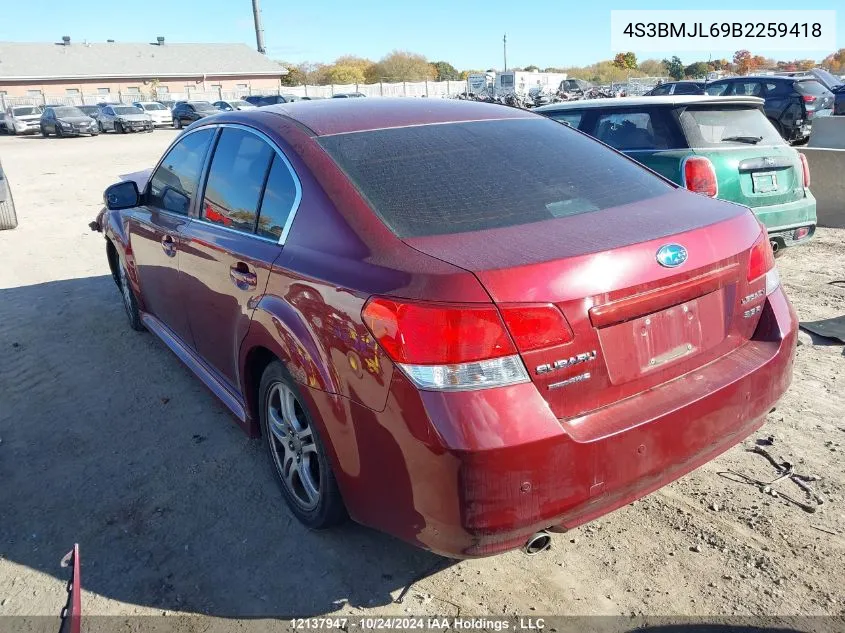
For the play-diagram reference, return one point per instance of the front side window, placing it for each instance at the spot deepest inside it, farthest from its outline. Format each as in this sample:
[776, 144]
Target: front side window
[236, 179]
[718, 90]
[662, 90]
[631, 130]
[748, 88]
[279, 200]
[174, 183]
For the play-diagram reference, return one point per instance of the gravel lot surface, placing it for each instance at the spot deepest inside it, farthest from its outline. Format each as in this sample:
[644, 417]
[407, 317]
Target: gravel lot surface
[108, 441]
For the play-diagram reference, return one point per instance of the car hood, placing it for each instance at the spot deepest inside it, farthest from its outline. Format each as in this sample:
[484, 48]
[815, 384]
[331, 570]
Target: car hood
[76, 120]
[27, 117]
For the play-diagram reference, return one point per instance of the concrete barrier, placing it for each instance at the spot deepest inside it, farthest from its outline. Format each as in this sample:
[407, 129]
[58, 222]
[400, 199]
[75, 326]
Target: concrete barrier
[827, 182]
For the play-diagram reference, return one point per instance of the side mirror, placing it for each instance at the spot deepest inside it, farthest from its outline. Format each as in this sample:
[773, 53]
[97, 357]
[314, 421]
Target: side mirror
[123, 195]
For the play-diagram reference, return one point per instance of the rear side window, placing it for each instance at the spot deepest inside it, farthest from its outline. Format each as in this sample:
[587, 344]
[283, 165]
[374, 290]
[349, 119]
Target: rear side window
[174, 183]
[279, 200]
[631, 130]
[811, 88]
[235, 180]
[662, 90]
[748, 88]
[458, 177]
[687, 89]
[571, 118]
[725, 126]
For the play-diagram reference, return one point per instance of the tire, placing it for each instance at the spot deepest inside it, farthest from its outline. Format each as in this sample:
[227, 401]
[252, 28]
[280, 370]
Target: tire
[294, 446]
[44, 132]
[130, 303]
[59, 133]
[118, 127]
[8, 217]
[177, 123]
[100, 127]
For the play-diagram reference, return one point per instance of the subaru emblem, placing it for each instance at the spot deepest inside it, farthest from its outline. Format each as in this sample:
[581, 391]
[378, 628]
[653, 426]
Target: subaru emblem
[671, 255]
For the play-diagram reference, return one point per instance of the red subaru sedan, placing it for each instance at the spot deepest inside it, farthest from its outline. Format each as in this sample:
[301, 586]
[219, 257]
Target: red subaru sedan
[462, 324]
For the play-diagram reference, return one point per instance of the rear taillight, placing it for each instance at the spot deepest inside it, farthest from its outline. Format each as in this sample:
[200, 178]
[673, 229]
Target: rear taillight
[700, 176]
[536, 326]
[445, 346]
[761, 263]
[808, 98]
[805, 169]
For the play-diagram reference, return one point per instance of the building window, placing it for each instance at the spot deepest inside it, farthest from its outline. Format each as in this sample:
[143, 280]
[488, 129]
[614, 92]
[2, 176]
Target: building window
[133, 90]
[72, 92]
[103, 91]
[242, 86]
[162, 90]
[217, 86]
[33, 93]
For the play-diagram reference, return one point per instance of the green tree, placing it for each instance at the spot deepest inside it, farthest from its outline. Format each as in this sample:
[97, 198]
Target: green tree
[348, 69]
[532, 68]
[697, 69]
[444, 71]
[675, 67]
[401, 66]
[295, 77]
[625, 61]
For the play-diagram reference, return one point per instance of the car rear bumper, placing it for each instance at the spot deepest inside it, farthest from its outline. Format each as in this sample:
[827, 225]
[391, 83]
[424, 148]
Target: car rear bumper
[786, 217]
[471, 474]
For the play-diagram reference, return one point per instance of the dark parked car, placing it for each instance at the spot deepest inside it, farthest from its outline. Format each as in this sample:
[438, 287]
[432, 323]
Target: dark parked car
[677, 88]
[718, 146]
[791, 102]
[265, 100]
[457, 367]
[8, 217]
[830, 81]
[186, 112]
[66, 121]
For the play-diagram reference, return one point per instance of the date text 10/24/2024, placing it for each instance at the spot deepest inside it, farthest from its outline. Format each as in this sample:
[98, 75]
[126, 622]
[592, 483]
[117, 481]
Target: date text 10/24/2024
[410, 623]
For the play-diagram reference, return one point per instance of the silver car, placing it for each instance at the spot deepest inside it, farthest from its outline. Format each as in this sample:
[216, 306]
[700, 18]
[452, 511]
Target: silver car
[22, 119]
[124, 118]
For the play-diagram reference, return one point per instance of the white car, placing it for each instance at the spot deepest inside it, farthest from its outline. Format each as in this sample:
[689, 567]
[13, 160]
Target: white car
[22, 119]
[234, 104]
[159, 113]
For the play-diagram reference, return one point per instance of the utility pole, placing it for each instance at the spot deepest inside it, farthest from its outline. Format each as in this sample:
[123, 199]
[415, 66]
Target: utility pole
[259, 29]
[505, 48]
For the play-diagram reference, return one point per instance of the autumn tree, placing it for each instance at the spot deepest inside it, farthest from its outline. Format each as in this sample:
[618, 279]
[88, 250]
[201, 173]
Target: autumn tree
[743, 62]
[675, 67]
[347, 69]
[835, 62]
[401, 66]
[444, 71]
[625, 61]
[653, 68]
[295, 77]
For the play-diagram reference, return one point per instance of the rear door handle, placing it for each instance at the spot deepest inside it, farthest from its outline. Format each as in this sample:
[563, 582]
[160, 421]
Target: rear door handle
[168, 245]
[243, 277]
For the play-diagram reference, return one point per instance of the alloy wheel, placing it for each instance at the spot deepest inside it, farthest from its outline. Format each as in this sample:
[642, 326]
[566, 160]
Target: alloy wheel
[292, 446]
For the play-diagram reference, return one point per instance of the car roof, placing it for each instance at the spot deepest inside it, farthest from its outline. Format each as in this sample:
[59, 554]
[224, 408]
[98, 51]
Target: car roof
[342, 116]
[665, 100]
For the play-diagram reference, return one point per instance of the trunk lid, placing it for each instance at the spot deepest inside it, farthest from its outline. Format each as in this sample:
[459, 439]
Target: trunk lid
[636, 324]
[757, 176]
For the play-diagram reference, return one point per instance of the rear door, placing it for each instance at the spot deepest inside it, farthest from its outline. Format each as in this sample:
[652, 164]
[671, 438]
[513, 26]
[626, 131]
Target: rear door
[250, 192]
[754, 165]
[157, 231]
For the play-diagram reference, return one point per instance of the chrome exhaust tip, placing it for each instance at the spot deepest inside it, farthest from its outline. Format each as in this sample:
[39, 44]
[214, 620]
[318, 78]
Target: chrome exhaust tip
[775, 246]
[538, 542]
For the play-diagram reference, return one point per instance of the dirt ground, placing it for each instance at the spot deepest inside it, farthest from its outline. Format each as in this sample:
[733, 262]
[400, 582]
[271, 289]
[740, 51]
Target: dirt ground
[108, 441]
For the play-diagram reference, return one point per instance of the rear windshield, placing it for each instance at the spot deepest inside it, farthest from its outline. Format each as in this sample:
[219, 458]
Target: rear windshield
[722, 126]
[811, 87]
[458, 177]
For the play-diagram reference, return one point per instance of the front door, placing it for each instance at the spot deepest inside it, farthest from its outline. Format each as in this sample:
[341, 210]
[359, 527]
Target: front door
[229, 249]
[156, 231]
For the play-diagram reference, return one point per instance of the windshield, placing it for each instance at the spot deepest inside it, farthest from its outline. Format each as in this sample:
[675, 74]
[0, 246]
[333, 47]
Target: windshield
[153, 106]
[811, 87]
[26, 110]
[442, 179]
[127, 110]
[241, 104]
[203, 106]
[722, 126]
[68, 111]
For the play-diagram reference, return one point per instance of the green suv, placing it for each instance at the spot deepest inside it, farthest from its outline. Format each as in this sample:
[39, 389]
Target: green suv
[723, 147]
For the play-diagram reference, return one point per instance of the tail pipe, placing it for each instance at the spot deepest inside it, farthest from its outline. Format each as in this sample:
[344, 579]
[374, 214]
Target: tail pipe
[775, 246]
[538, 542]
